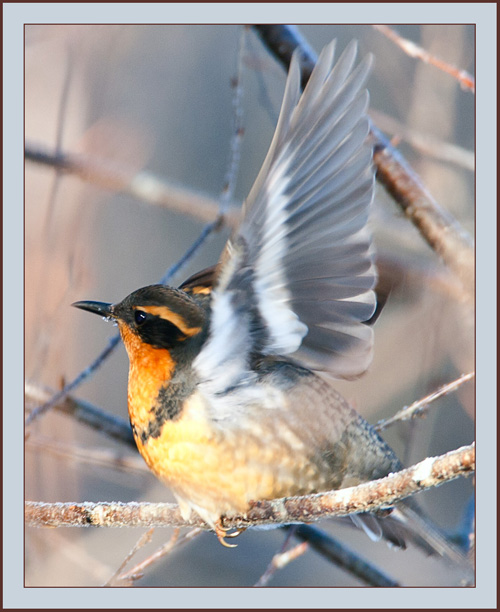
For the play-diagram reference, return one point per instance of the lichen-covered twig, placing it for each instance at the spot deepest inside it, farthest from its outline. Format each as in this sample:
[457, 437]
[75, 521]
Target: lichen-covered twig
[366, 497]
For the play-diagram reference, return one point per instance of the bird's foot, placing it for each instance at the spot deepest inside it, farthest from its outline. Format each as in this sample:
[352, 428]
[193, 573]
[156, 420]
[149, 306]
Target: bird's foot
[222, 534]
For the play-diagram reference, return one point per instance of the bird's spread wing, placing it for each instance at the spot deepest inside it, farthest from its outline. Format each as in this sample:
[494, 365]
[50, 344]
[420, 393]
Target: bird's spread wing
[296, 278]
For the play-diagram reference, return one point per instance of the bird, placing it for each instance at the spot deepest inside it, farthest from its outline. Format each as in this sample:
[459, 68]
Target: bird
[231, 387]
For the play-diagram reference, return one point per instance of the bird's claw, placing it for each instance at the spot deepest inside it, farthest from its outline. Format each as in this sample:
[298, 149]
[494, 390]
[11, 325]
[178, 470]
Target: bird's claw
[222, 534]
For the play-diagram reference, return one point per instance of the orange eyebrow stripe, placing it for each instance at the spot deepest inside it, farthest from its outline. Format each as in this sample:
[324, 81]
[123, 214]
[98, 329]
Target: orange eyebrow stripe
[203, 290]
[169, 315]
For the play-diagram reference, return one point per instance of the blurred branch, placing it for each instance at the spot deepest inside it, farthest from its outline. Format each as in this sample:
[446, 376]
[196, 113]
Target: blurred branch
[419, 408]
[141, 542]
[441, 231]
[273, 566]
[58, 397]
[110, 458]
[343, 556]
[282, 40]
[395, 270]
[175, 542]
[281, 559]
[425, 143]
[142, 185]
[147, 187]
[73, 551]
[237, 135]
[413, 50]
[366, 497]
[114, 341]
[331, 549]
[113, 426]
[465, 535]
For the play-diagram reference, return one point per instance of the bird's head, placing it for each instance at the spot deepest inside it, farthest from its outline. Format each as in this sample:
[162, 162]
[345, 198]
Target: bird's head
[156, 318]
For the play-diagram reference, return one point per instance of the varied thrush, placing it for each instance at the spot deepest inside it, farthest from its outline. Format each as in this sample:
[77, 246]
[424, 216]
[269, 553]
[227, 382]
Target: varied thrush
[230, 394]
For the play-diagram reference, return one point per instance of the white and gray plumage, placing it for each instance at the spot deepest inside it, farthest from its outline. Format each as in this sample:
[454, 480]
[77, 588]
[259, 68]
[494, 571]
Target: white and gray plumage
[297, 277]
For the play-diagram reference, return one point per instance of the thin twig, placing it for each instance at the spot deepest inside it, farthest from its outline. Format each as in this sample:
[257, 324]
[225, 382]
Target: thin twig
[366, 497]
[60, 124]
[105, 457]
[47, 230]
[418, 408]
[114, 341]
[147, 185]
[113, 426]
[67, 389]
[274, 564]
[281, 560]
[465, 79]
[141, 542]
[238, 131]
[174, 543]
[425, 143]
[344, 557]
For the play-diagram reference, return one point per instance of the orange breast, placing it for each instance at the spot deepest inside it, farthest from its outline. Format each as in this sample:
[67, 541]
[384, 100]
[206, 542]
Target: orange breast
[150, 369]
[222, 470]
[212, 466]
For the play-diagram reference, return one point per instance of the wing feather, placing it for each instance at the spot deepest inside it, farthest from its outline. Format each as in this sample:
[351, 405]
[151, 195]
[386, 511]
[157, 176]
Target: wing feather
[297, 277]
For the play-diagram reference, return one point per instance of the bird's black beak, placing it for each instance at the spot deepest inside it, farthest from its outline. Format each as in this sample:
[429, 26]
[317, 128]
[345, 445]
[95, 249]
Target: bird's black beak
[99, 308]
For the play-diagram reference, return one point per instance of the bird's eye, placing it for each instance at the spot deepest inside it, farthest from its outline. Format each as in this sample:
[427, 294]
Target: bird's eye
[139, 317]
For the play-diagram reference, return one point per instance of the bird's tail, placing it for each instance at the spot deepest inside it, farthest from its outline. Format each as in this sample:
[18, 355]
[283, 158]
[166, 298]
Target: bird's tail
[406, 523]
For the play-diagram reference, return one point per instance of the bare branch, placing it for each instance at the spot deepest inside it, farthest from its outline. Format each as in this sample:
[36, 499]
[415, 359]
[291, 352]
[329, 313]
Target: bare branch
[426, 144]
[84, 374]
[144, 186]
[114, 341]
[238, 131]
[419, 407]
[282, 40]
[440, 230]
[344, 557]
[413, 50]
[113, 426]
[143, 540]
[366, 497]
[174, 543]
[110, 458]
[280, 560]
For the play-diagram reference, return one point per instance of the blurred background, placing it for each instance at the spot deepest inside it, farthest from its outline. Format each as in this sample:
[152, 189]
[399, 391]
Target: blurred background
[159, 98]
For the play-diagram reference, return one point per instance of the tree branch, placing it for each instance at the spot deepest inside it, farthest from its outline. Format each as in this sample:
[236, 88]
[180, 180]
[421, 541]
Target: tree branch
[441, 231]
[366, 497]
[419, 407]
[143, 185]
[466, 80]
[437, 226]
[113, 426]
[344, 557]
[59, 397]
[425, 143]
